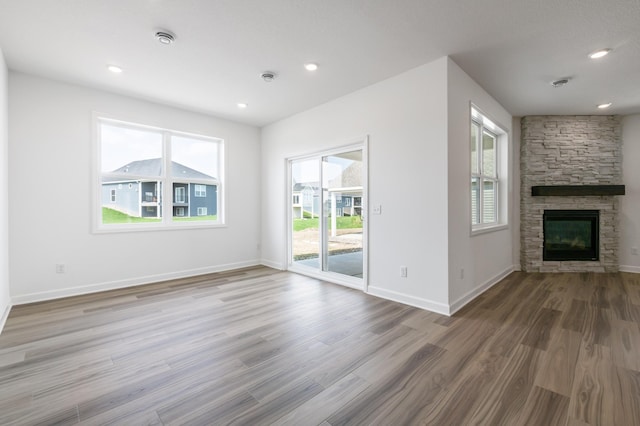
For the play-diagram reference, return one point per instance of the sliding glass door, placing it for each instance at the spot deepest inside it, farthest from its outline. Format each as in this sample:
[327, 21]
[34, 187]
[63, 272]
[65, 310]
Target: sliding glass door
[327, 223]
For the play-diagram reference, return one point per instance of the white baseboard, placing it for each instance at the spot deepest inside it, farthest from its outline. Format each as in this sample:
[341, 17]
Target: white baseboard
[5, 315]
[517, 268]
[627, 268]
[469, 296]
[406, 299]
[271, 264]
[114, 285]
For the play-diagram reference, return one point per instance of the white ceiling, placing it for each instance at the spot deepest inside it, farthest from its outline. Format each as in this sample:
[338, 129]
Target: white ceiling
[512, 48]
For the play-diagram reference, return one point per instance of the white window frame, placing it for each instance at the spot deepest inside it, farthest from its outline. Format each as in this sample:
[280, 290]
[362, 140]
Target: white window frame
[113, 195]
[167, 222]
[201, 211]
[499, 178]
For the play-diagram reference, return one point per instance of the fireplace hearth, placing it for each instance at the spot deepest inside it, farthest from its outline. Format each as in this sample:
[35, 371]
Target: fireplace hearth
[571, 235]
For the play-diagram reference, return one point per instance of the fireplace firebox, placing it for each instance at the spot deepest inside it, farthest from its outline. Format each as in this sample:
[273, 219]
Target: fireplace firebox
[571, 235]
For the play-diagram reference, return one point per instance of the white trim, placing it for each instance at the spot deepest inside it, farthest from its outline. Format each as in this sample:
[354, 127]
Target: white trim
[470, 295]
[157, 226]
[132, 282]
[429, 305]
[488, 229]
[360, 143]
[364, 212]
[344, 146]
[166, 179]
[629, 268]
[517, 268]
[504, 165]
[5, 316]
[328, 276]
[275, 265]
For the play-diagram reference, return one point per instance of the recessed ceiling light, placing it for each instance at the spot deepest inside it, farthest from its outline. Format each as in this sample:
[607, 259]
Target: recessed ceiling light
[604, 106]
[268, 76]
[600, 53]
[114, 69]
[165, 37]
[242, 105]
[560, 83]
[311, 66]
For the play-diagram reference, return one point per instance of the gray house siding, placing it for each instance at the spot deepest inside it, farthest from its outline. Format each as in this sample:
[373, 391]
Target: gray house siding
[126, 197]
[143, 197]
[210, 201]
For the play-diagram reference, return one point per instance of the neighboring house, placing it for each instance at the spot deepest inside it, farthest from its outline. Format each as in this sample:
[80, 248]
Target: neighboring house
[124, 190]
[349, 205]
[346, 189]
[306, 198]
[345, 192]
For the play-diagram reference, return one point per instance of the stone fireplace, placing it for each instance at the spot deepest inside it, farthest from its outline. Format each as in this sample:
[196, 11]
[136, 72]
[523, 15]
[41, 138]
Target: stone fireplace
[570, 164]
[571, 235]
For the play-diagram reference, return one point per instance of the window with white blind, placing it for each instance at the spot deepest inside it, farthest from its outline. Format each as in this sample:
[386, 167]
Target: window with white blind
[488, 144]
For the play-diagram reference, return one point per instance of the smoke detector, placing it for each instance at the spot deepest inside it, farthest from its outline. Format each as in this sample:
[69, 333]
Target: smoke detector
[560, 83]
[268, 76]
[165, 37]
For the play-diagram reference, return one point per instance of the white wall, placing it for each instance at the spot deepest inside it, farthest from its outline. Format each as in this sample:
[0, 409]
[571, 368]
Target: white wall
[485, 258]
[405, 118]
[630, 202]
[50, 147]
[5, 299]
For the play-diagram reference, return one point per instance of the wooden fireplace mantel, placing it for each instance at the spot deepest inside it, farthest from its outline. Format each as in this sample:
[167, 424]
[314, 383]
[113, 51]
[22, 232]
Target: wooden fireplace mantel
[576, 190]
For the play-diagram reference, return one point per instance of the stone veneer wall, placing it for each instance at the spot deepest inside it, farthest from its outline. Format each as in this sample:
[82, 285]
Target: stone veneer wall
[569, 150]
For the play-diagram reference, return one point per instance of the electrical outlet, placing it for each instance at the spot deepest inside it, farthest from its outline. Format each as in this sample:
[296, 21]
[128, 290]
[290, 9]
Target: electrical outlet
[403, 271]
[634, 251]
[60, 268]
[377, 209]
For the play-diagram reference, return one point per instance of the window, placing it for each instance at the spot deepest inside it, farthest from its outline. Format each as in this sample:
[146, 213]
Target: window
[296, 200]
[180, 195]
[488, 145]
[160, 167]
[200, 191]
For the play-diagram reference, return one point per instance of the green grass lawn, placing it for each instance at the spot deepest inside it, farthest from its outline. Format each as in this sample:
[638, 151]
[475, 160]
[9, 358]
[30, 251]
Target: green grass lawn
[110, 216]
[342, 222]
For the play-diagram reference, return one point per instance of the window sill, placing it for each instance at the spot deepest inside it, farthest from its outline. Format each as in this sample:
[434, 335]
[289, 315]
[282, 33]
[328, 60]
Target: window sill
[175, 227]
[488, 229]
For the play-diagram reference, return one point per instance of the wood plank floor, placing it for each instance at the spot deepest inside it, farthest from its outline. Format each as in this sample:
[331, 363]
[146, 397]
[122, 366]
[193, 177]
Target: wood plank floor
[259, 346]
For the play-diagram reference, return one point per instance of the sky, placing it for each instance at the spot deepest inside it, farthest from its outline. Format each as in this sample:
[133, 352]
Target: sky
[122, 145]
